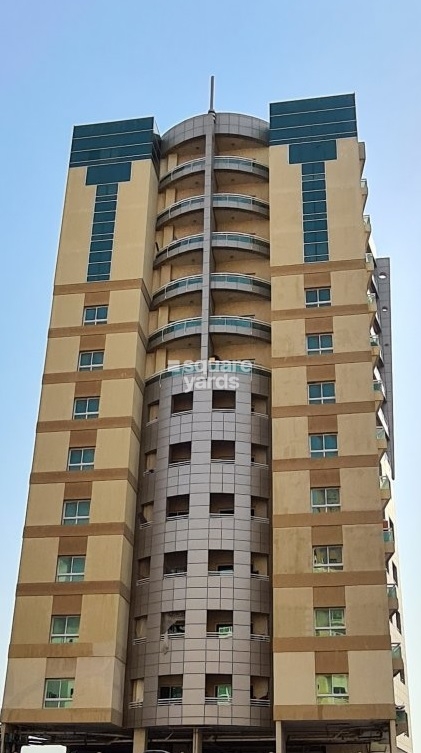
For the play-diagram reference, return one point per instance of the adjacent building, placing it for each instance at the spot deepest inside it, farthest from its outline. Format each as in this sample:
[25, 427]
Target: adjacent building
[208, 560]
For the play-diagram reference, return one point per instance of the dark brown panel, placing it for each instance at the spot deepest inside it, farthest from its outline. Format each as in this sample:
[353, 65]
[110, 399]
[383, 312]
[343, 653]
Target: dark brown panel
[321, 373]
[84, 438]
[325, 266]
[330, 409]
[338, 644]
[329, 597]
[81, 490]
[106, 474]
[71, 604]
[322, 424]
[113, 422]
[317, 325]
[317, 280]
[91, 529]
[344, 461]
[83, 587]
[96, 287]
[355, 357]
[351, 518]
[65, 377]
[342, 578]
[316, 313]
[106, 717]
[322, 478]
[324, 535]
[92, 342]
[101, 298]
[73, 545]
[98, 330]
[329, 662]
[50, 650]
[87, 389]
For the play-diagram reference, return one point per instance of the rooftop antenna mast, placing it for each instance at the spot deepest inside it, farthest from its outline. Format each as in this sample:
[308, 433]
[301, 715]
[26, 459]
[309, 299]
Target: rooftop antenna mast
[212, 94]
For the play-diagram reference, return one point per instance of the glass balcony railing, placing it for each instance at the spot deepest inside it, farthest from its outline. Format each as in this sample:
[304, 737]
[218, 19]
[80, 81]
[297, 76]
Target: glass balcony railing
[396, 651]
[181, 171]
[384, 483]
[179, 208]
[388, 536]
[371, 298]
[374, 341]
[369, 259]
[381, 433]
[392, 592]
[178, 287]
[177, 329]
[242, 164]
[234, 367]
[378, 385]
[240, 201]
[367, 222]
[364, 184]
[240, 323]
[241, 241]
[253, 284]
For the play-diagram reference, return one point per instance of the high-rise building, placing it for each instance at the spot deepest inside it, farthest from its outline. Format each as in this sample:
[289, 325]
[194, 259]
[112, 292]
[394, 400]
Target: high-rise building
[208, 560]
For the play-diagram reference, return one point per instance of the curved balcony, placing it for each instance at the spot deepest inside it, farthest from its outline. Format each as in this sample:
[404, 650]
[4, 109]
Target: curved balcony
[242, 203]
[180, 208]
[242, 165]
[219, 281]
[239, 325]
[193, 167]
[183, 286]
[229, 241]
[238, 282]
[175, 330]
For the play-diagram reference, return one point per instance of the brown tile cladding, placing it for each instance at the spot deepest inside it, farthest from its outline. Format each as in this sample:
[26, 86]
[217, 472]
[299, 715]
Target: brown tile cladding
[343, 461]
[316, 326]
[92, 342]
[84, 438]
[86, 389]
[322, 712]
[338, 644]
[329, 596]
[342, 578]
[101, 298]
[82, 587]
[81, 490]
[325, 535]
[71, 604]
[317, 280]
[72, 545]
[321, 373]
[323, 424]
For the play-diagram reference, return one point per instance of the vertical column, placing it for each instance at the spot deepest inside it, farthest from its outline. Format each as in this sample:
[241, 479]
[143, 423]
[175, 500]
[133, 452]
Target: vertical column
[207, 234]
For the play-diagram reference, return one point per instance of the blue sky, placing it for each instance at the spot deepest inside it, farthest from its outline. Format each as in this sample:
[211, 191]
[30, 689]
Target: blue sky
[63, 63]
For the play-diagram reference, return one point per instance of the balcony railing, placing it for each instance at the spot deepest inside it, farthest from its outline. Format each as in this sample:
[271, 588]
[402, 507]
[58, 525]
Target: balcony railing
[216, 701]
[392, 592]
[369, 259]
[388, 536]
[135, 704]
[182, 328]
[262, 702]
[364, 184]
[259, 637]
[236, 367]
[242, 164]
[384, 482]
[381, 433]
[170, 701]
[378, 385]
[396, 651]
[374, 341]
[240, 201]
[217, 634]
[371, 298]
[367, 222]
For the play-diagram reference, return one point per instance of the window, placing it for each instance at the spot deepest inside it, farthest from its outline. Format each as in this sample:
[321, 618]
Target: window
[325, 500]
[329, 621]
[81, 459]
[319, 344]
[65, 629]
[58, 694]
[95, 314]
[321, 393]
[332, 689]
[170, 692]
[317, 297]
[76, 512]
[70, 569]
[327, 559]
[86, 407]
[91, 360]
[323, 445]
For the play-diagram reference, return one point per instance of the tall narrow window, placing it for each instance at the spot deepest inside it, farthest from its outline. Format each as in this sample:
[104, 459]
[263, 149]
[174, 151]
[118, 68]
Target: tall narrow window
[313, 185]
[102, 237]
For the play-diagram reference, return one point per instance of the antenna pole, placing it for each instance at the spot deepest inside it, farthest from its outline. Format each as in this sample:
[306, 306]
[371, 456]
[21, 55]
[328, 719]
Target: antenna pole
[212, 94]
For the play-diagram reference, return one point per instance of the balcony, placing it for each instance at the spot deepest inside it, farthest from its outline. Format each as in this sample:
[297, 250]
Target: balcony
[175, 331]
[401, 721]
[240, 165]
[364, 190]
[372, 302]
[385, 488]
[389, 543]
[369, 261]
[191, 244]
[182, 172]
[242, 203]
[397, 659]
[382, 440]
[238, 325]
[379, 391]
[186, 206]
[367, 224]
[392, 598]
[180, 287]
[221, 243]
[240, 283]
[375, 348]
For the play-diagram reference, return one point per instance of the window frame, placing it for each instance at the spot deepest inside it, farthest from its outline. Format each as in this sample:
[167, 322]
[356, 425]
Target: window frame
[326, 507]
[324, 451]
[65, 636]
[84, 519]
[329, 565]
[323, 400]
[318, 303]
[321, 349]
[60, 701]
[329, 630]
[341, 680]
[71, 575]
[91, 366]
[97, 318]
[88, 413]
[83, 465]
